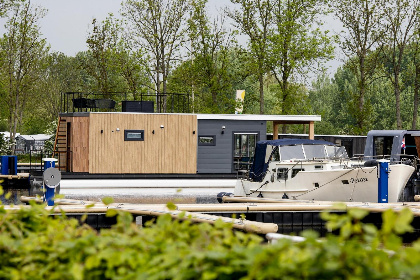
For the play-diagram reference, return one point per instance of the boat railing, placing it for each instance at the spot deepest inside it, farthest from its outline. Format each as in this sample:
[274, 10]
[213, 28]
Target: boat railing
[324, 159]
[412, 160]
[392, 158]
[72, 102]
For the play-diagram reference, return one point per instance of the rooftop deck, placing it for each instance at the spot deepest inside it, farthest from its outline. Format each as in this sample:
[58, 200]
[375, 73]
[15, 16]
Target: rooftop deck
[125, 102]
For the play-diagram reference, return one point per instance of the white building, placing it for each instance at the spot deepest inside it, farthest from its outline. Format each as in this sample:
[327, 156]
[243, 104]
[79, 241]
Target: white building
[27, 143]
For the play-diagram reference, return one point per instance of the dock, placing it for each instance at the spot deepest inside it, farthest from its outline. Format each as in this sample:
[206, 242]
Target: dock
[261, 216]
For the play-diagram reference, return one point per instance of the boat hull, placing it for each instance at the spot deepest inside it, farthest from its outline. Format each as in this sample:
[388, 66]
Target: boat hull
[356, 184]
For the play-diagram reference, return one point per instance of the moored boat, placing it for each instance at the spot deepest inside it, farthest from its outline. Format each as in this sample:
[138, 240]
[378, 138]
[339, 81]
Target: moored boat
[318, 170]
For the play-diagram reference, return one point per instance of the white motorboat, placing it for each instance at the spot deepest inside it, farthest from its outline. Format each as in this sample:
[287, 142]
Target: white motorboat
[317, 170]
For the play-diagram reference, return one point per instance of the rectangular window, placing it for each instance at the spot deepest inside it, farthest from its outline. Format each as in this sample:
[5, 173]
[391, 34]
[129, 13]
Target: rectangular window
[133, 135]
[207, 140]
[295, 171]
[382, 145]
[282, 173]
[245, 144]
[244, 149]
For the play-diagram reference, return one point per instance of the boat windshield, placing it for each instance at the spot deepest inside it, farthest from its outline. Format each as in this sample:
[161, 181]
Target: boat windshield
[291, 152]
[306, 152]
[336, 152]
[315, 151]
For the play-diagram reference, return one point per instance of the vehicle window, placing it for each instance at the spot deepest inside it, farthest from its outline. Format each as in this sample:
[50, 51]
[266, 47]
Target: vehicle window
[296, 171]
[282, 174]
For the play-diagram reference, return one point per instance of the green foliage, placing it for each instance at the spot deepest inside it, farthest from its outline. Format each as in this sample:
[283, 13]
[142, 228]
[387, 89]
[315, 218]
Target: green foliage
[107, 200]
[100, 60]
[158, 28]
[215, 68]
[3, 145]
[3, 124]
[36, 245]
[176, 46]
[21, 50]
[336, 100]
[213, 84]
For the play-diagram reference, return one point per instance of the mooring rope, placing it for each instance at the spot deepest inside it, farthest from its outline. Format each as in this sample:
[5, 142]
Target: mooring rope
[252, 192]
[355, 182]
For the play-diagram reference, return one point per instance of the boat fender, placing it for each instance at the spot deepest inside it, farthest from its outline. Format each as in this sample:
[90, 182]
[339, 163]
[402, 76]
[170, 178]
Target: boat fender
[220, 196]
[370, 163]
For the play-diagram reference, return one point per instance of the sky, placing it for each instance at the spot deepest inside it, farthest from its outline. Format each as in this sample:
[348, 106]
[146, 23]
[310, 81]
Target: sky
[68, 22]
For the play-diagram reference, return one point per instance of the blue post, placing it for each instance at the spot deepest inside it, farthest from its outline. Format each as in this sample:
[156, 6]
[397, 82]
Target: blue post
[4, 165]
[48, 163]
[13, 165]
[8, 165]
[383, 170]
[49, 192]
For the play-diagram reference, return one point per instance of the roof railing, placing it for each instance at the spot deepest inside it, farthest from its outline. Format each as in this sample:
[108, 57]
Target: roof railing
[71, 102]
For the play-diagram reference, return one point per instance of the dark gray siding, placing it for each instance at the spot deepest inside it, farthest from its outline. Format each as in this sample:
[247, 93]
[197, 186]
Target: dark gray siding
[219, 158]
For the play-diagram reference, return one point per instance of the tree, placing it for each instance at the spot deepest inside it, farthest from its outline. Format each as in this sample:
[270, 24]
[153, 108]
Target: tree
[102, 42]
[5, 5]
[131, 66]
[60, 74]
[158, 27]
[211, 61]
[112, 61]
[253, 18]
[22, 51]
[321, 98]
[415, 46]
[400, 16]
[363, 22]
[297, 45]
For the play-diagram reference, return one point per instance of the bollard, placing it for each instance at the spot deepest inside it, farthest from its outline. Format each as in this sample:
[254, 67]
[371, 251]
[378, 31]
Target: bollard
[383, 171]
[51, 179]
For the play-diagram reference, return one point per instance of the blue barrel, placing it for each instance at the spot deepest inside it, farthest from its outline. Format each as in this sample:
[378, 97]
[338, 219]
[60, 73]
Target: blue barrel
[8, 165]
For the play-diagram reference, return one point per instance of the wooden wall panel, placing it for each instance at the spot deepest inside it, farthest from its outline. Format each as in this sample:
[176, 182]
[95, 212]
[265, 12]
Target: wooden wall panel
[81, 145]
[171, 149]
[62, 156]
[192, 145]
[78, 144]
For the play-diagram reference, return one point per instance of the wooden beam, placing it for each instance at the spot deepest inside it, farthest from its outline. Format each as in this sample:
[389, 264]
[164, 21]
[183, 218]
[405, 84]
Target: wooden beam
[275, 130]
[310, 123]
[311, 130]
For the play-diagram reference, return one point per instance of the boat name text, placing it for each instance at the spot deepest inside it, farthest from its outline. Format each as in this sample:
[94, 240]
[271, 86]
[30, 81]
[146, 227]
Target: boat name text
[357, 180]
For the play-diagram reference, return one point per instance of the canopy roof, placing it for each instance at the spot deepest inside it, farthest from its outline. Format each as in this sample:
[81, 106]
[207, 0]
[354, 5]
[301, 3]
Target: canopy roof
[259, 166]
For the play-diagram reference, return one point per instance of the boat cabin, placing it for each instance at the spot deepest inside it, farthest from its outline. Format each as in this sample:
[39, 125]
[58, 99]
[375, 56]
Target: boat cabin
[392, 144]
[293, 154]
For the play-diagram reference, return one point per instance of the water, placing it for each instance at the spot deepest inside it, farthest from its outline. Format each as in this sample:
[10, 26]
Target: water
[147, 191]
